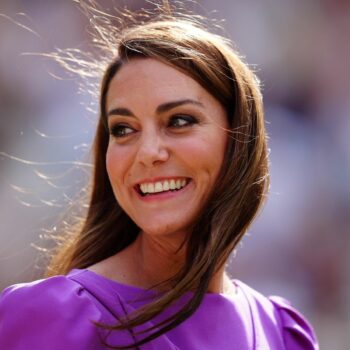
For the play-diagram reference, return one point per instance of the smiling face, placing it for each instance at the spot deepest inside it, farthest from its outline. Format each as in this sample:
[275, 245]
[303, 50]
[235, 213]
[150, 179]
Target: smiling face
[166, 147]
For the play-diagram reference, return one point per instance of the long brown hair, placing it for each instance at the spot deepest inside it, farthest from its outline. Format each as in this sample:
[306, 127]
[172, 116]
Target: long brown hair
[240, 189]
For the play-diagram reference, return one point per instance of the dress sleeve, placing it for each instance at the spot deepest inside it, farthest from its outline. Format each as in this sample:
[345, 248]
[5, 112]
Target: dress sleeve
[54, 314]
[297, 332]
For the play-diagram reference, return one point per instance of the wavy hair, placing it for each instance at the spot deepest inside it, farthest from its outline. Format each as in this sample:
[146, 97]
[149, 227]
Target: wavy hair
[209, 59]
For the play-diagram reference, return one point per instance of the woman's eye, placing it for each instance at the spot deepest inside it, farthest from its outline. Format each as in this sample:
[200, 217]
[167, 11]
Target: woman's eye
[180, 121]
[121, 130]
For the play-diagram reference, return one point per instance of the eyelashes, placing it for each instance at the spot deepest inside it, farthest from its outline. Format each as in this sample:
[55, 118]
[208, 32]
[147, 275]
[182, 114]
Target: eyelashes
[121, 130]
[180, 121]
[176, 122]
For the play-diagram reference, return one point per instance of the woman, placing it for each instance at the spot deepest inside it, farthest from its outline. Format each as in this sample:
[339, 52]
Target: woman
[180, 172]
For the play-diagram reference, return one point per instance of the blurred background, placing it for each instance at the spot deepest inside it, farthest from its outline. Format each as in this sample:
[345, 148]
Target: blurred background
[298, 247]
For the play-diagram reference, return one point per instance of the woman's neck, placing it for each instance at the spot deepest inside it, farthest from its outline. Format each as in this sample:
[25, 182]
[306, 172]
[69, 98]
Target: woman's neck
[151, 260]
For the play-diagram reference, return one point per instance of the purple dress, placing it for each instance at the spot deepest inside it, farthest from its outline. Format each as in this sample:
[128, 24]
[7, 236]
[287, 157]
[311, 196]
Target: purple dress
[57, 314]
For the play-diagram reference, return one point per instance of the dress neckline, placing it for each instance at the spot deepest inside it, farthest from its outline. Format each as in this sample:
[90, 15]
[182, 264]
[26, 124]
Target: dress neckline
[133, 290]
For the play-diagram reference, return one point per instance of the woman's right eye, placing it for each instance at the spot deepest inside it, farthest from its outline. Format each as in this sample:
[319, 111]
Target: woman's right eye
[121, 130]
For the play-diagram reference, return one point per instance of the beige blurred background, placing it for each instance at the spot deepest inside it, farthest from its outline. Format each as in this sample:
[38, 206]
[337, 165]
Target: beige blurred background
[298, 247]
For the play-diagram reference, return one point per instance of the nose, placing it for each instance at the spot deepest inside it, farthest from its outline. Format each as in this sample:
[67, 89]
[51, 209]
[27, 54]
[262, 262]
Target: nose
[152, 149]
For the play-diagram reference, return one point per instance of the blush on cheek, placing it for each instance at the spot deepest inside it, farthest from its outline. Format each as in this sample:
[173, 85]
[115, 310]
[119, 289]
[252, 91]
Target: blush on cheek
[113, 168]
[118, 169]
[206, 152]
[115, 161]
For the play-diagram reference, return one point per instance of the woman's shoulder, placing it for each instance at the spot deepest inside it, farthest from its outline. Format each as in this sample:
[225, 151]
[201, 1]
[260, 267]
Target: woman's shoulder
[58, 291]
[49, 311]
[276, 313]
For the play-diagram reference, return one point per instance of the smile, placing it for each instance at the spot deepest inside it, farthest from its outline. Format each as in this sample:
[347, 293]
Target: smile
[148, 188]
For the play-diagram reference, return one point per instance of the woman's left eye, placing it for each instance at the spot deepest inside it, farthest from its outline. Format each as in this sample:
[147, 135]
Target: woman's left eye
[180, 121]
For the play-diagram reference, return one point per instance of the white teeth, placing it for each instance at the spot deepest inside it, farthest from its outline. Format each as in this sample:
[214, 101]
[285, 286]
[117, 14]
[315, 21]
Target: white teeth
[161, 186]
[172, 185]
[166, 186]
[150, 188]
[158, 187]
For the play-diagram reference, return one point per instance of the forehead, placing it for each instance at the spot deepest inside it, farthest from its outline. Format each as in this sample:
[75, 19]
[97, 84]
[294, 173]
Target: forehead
[151, 82]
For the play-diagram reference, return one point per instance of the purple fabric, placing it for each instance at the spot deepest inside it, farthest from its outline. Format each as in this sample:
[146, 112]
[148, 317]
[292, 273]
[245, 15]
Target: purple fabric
[57, 313]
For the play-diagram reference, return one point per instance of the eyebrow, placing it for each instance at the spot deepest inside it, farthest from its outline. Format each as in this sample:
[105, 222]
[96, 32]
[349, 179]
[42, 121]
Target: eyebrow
[160, 109]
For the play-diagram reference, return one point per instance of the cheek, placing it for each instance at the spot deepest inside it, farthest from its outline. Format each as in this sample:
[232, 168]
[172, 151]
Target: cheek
[117, 164]
[205, 153]
[111, 163]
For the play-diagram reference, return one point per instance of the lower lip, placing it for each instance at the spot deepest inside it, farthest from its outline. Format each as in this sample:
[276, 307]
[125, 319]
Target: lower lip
[163, 195]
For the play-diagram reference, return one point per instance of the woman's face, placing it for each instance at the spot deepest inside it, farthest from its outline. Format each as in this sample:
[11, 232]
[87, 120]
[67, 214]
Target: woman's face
[166, 146]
